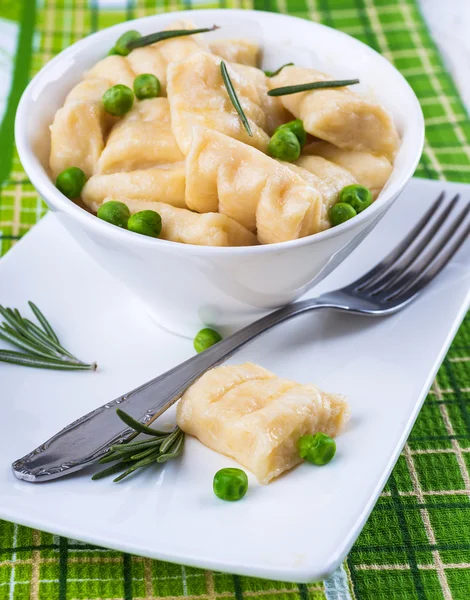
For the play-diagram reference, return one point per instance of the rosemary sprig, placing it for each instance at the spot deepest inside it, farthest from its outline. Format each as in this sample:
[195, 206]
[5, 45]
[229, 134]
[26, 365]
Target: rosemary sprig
[152, 38]
[315, 85]
[233, 97]
[40, 346]
[274, 73]
[158, 447]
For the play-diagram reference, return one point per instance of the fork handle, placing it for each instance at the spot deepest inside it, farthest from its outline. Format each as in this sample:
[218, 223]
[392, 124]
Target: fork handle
[84, 441]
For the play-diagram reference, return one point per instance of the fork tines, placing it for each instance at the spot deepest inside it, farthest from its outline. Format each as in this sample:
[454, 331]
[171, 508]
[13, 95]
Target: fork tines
[421, 255]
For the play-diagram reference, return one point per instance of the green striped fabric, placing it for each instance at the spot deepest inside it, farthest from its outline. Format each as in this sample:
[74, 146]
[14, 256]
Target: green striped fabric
[416, 544]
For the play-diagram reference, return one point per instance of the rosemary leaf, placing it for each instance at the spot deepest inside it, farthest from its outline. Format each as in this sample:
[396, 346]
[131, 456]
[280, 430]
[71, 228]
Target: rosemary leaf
[234, 98]
[146, 40]
[136, 425]
[176, 451]
[143, 453]
[124, 448]
[11, 319]
[138, 465]
[22, 343]
[314, 85]
[170, 440]
[274, 73]
[29, 360]
[38, 333]
[44, 322]
[109, 471]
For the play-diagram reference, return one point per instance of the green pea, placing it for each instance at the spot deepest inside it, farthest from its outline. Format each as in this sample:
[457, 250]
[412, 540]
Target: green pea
[297, 128]
[114, 212]
[340, 213]
[121, 44]
[113, 52]
[230, 484]
[146, 86]
[118, 100]
[358, 196]
[206, 338]
[284, 145]
[318, 449]
[70, 182]
[146, 222]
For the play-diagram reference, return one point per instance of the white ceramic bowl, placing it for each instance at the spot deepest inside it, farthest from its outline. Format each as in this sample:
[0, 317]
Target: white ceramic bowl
[185, 286]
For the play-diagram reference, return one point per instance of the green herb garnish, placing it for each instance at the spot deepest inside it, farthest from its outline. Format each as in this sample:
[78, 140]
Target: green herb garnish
[315, 85]
[159, 36]
[40, 345]
[158, 447]
[233, 97]
[274, 73]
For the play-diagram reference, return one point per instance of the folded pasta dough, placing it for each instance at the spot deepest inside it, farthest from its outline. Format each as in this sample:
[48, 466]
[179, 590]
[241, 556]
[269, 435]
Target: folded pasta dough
[114, 70]
[187, 227]
[263, 195]
[156, 57]
[155, 185]
[79, 128]
[327, 177]
[370, 170]
[141, 139]
[198, 97]
[338, 115]
[272, 106]
[240, 51]
[248, 413]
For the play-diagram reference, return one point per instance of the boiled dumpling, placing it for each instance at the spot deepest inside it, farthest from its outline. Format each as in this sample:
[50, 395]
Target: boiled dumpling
[156, 57]
[244, 52]
[370, 170]
[198, 97]
[79, 128]
[113, 69]
[225, 175]
[272, 106]
[187, 227]
[248, 413]
[338, 115]
[155, 184]
[327, 177]
[141, 139]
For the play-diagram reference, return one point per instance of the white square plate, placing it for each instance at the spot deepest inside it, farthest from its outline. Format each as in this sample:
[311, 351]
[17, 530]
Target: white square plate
[299, 527]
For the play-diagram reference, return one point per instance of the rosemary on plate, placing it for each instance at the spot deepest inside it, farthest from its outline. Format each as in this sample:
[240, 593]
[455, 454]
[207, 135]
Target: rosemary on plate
[314, 85]
[158, 447]
[159, 36]
[40, 345]
[234, 98]
[277, 71]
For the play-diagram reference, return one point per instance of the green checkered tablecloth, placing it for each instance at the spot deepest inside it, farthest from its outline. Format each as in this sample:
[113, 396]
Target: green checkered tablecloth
[416, 543]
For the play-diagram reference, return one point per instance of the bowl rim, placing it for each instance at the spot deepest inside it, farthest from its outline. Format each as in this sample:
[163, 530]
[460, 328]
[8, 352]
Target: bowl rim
[44, 185]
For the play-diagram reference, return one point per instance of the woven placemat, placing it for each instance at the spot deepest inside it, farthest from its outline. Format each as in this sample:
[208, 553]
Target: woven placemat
[416, 543]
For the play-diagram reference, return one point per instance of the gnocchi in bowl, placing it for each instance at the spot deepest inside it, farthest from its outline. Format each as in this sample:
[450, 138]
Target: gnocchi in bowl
[217, 175]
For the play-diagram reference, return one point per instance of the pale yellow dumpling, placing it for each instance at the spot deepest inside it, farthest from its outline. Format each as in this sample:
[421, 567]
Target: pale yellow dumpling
[369, 170]
[143, 138]
[327, 177]
[248, 413]
[338, 115]
[114, 70]
[155, 58]
[187, 227]
[198, 97]
[263, 195]
[153, 185]
[79, 129]
[244, 52]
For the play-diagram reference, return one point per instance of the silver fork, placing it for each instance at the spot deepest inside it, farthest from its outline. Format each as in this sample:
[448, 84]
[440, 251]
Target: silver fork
[383, 290]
